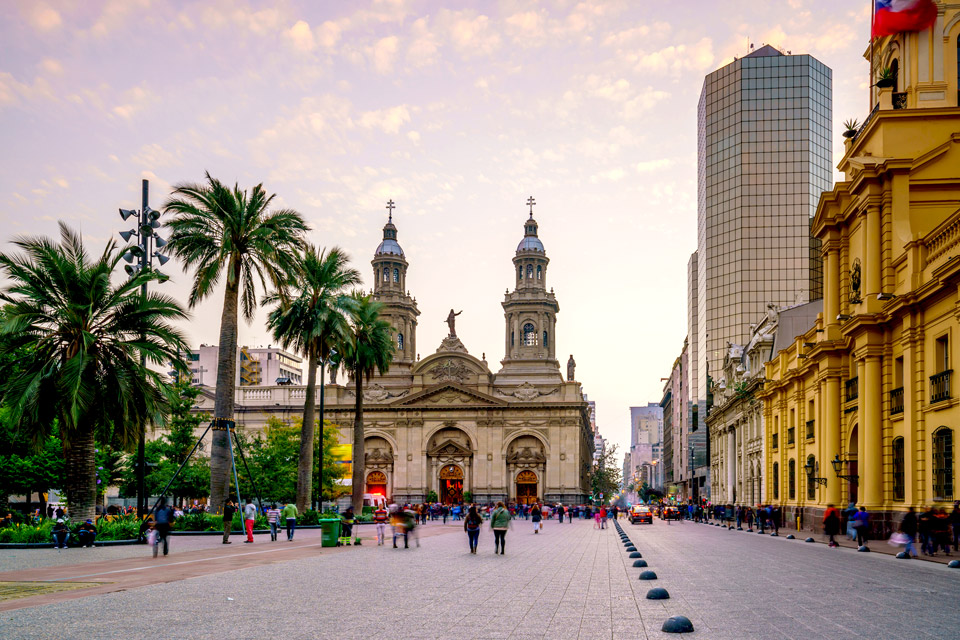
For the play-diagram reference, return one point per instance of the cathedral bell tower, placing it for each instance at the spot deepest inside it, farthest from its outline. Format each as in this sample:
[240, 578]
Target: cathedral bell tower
[530, 310]
[389, 286]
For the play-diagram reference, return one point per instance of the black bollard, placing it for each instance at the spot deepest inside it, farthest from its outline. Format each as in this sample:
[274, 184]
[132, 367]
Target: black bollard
[639, 563]
[658, 593]
[954, 564]
[648, 575]
[903, 556]
[635, 554]
[677, 624]
[863, 548]
[790, 537]
[809, 540]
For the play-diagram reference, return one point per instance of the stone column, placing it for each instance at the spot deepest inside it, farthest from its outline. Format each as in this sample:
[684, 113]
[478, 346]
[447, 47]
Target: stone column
[832, 413]
[731, 463]
[872, 269]
[831, 282]
[870, 434]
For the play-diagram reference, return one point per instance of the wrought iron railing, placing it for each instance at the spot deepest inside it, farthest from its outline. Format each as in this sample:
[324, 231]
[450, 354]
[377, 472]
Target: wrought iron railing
[852, 388]
[940, 386]
[896, 401]
[900, 100]
[870, 117]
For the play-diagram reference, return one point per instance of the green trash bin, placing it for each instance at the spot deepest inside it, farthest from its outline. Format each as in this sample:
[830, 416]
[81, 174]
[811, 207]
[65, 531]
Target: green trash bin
[330, 531]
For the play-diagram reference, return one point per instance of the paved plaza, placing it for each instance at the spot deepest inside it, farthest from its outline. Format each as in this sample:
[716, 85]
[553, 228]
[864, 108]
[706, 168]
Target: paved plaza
[571, 581]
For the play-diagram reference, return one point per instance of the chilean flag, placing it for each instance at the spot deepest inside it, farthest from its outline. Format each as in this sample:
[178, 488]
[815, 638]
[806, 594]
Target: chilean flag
[894, 16]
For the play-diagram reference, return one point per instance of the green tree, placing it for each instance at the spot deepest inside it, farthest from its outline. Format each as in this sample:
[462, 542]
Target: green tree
[368, 347]
[85, 338]
[332, 470]
[605, 475]
[272, 457]
[217, 231]
[311, 320]
[25, 466]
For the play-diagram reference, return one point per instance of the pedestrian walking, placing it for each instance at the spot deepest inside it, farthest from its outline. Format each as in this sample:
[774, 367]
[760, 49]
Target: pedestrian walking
[380, 517]
[164, 518]
[273, 519]
[560, 512]
[831, 524]
[500, 522]
[228, 511]
[249, 517]
[941, 531]
[289, 515]
[346, 528]
[925, 529]
[908, 527]
[861, 524]
[849, 514]
[536, 516]
[472, 524]
[604, 514]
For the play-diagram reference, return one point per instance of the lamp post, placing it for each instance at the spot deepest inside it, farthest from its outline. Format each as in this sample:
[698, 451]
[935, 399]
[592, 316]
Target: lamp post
[148, 220]
[319, 456]
[812, 469]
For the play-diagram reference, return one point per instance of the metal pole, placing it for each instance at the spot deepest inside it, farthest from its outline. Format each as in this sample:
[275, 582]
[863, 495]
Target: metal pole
[320, 447]
[141, 443]
[233, 463]
[256, 488]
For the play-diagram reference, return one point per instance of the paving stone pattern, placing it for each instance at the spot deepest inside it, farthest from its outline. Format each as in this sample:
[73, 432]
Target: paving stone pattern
[571, 581]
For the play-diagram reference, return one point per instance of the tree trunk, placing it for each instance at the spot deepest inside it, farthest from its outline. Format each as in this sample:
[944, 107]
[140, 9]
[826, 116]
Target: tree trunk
[225, 397]
[358, 461]
[80, 474]
[305, 464]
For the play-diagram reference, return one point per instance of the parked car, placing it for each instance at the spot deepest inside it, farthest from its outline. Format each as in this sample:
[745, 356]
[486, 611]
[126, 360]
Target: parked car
[640, 513]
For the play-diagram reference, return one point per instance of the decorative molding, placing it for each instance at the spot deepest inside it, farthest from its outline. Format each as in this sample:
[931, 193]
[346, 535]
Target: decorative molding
[527, 392]
[450, 371]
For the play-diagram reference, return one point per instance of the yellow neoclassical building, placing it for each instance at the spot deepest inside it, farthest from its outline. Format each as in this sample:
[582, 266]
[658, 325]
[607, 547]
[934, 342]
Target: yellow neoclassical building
[863, 407]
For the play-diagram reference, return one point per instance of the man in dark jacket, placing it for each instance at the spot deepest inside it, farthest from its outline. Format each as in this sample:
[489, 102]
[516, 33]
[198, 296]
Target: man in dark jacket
[164, 519]
[908, 527]
[60, 534]
[228, 511]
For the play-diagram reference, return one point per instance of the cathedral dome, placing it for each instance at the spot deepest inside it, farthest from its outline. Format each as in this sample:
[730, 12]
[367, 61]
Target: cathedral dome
[530, 240]
[389, 246]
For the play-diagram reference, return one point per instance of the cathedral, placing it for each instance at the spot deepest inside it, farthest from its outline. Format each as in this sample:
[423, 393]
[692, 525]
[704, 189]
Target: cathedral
[447, 423]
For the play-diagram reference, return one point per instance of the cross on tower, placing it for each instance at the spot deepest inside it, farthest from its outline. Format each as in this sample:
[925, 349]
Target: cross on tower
[531, 202]
[391, 207]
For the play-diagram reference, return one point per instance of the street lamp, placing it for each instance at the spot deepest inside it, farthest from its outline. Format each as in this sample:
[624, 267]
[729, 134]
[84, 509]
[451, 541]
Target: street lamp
[813, 468]
[838, 468]
[148, 221]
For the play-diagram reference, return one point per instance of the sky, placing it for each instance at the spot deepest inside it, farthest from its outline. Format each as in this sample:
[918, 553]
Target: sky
[457, 111]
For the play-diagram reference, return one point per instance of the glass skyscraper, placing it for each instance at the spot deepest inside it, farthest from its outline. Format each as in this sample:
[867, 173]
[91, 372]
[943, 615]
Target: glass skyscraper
[764, 157]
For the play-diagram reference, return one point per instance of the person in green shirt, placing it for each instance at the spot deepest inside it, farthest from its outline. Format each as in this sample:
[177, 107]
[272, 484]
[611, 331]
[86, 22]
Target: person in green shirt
[500, 522]
[289, 513]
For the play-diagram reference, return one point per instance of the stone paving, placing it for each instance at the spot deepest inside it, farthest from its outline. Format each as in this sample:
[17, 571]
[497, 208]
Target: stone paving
[571, 581]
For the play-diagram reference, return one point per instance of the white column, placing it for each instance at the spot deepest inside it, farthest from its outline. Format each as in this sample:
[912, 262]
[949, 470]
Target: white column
[731, 466]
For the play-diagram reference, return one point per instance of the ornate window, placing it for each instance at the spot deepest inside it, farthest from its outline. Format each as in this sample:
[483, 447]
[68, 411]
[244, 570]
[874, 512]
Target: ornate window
[539, 272]
[792, 479]
[386, 275]
[943, 464]
[776, 480]
[811, 485]
[898, 471]
[529, 335]
[520, 272]
[530, 272]
[399, 342]
[396, 275]
[546, 342]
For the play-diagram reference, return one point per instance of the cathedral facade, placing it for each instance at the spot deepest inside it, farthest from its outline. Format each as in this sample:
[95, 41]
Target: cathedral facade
[448, 424]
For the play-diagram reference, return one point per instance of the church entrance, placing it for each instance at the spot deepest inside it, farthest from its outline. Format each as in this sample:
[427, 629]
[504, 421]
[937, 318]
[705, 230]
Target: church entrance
[451, 484]
[377, 483]
[526, 487]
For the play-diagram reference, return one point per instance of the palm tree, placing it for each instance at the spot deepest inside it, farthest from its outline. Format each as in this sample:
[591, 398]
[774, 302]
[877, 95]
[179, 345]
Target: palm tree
[311, 319]
[368, 346]
[216, 229]
[81, 340]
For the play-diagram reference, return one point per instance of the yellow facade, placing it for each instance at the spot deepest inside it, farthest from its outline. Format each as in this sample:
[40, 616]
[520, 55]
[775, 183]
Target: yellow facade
[871, 383]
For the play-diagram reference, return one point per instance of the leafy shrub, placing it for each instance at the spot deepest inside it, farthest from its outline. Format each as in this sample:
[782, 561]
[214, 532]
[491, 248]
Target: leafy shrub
[27, 533]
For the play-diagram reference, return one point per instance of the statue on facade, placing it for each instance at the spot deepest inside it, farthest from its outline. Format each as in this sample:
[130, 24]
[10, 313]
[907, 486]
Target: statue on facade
[452, 321]
[571, 365]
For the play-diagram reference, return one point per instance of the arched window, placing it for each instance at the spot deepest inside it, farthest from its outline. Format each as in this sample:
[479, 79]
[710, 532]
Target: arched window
[512, 338]
[546, 341]
[811, 485]
[530, 272]
[520, 272]
[792, 479]
[529, 335]
[396, 275]
[386, 275]
[776, 480]
[895, 72]
[539, 272]
[898, 470]
[399, 342]
[943, 464]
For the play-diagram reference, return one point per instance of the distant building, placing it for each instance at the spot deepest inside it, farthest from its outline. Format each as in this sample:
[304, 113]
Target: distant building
[646, 435]
[256, 367]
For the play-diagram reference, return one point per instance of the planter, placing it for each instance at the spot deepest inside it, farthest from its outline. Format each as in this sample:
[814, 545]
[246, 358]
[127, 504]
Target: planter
[884, 83]
[849, 134]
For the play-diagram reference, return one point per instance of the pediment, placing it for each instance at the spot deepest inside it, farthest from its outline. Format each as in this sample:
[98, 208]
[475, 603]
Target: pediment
[449, 394]
[450, 448]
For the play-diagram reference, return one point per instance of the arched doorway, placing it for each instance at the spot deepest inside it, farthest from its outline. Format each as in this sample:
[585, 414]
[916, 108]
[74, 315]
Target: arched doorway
[451, 484]
[852, 468]
[527, 487]
[377, 483]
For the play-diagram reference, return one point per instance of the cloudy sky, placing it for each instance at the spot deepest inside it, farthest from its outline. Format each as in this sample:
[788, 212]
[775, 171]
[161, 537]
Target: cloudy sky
[457, 111]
